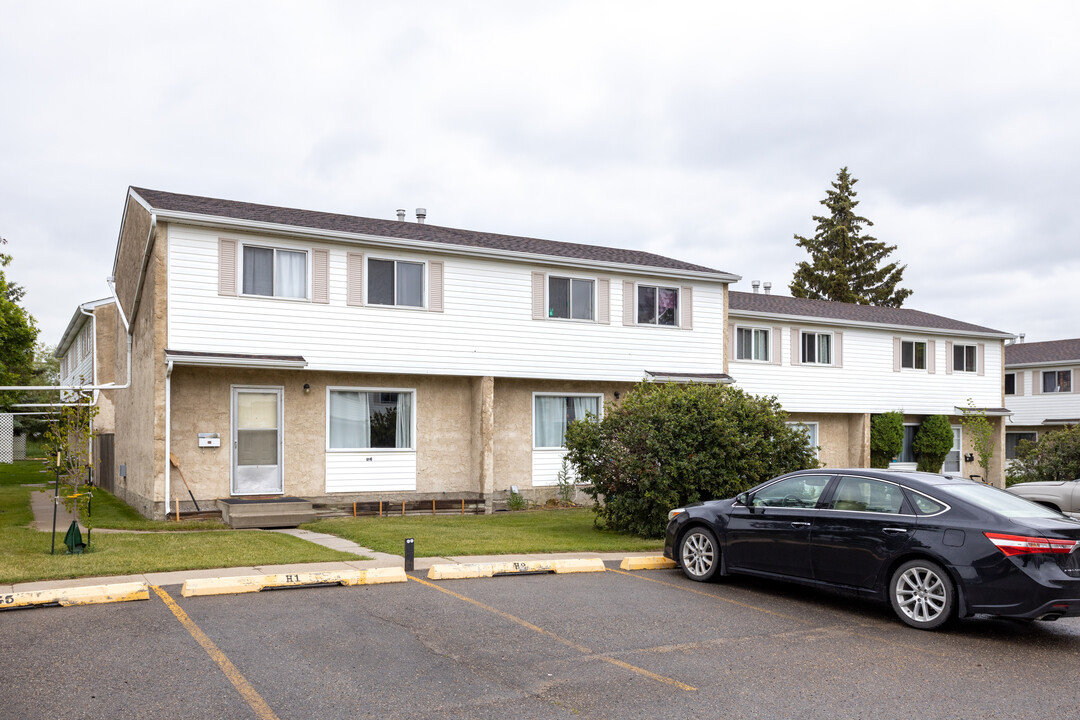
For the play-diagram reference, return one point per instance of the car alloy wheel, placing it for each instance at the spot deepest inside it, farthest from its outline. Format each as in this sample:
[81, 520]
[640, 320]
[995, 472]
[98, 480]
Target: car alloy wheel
[922, 594]
[699, 554]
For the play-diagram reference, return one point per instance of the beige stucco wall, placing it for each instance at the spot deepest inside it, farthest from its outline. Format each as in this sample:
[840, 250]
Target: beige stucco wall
[105, 319]
[844, 438]
[447, 458]
[513, 424]
[139, 426]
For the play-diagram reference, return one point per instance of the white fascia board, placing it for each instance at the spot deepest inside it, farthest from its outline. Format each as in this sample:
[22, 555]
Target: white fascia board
[809, 320]
[1055, 363]
[78, 319]
[440, 248]
[178, 360]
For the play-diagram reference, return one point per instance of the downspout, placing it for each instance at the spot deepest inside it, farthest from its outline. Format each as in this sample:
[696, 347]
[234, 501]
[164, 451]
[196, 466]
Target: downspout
[168, 432]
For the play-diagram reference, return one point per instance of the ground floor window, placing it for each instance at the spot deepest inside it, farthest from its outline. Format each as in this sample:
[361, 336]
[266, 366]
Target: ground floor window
[907, 455]
[552, 413]
[1013, 439]
[811, 430]
[359, 419]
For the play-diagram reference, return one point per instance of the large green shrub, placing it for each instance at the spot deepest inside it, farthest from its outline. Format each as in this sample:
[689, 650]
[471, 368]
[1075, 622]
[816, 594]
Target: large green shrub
[886, 438]
[666, 445]
[933, 441]
[1055, 457]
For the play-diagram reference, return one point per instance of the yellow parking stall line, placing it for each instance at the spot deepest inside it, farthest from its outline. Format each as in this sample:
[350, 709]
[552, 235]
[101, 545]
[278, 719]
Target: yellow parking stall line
[559, 639]
[251, 697]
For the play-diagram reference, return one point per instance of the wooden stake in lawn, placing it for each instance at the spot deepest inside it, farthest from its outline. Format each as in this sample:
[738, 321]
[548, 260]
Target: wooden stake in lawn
[56, 499]
[176, 464]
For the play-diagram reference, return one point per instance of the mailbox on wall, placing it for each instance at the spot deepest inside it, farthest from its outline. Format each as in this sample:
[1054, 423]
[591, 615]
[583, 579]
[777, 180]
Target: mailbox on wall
[210, 440]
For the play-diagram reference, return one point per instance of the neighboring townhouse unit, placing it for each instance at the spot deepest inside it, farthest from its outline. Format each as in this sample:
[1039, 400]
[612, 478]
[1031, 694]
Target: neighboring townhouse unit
[277, 351]
[87, 353]
[1040, 389]
[832, 365]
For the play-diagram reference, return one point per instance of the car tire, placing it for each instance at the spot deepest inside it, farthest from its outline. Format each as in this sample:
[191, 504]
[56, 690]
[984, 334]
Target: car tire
[699, 554]
[922, 594]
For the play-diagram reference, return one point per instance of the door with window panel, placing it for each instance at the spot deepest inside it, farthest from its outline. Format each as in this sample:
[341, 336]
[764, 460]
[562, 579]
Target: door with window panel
[257, 441]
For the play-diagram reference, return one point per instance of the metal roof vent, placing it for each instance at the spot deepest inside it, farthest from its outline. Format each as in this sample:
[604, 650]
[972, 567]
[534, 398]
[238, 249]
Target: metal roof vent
[755, 284]
[768, 287]
[421, 215]
[401, 214]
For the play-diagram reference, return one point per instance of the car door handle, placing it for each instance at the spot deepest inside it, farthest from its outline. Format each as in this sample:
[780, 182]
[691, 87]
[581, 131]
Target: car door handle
[798, 524]
[895, 531]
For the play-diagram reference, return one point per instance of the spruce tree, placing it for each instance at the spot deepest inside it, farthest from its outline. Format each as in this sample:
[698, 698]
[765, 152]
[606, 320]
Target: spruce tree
[844, 263]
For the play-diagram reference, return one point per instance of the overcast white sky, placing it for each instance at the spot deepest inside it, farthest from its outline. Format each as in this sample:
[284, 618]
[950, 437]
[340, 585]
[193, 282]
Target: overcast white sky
[706, 131]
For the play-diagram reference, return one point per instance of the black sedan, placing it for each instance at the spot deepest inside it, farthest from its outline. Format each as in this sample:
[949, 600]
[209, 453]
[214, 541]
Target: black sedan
[933, 546]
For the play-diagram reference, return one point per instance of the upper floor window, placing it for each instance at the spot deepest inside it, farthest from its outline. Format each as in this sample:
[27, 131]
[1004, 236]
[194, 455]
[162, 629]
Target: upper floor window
[965, 358]
[395, 282]
[570, 298]
[817, 348]
[657, 305]
[275, 272]
[913, 354]
[1010, 383]
[1054, 381]
[752, 344]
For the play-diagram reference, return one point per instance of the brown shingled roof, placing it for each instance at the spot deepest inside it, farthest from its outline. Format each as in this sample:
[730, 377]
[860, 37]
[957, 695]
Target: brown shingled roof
[333, 222]
[800, 307]
[1052, 351]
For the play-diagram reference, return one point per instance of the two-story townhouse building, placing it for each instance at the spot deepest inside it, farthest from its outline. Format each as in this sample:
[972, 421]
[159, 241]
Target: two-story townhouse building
[87, 359]
[1040, 389]
[833, 365]
[278, 351]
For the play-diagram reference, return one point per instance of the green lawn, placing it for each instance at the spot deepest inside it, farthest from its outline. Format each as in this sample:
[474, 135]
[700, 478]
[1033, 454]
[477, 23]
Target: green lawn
[108, 511]
[24, 553]
[537, 531]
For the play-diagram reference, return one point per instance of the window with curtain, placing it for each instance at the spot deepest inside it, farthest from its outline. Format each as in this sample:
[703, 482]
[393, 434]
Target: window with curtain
[570, 298]
[1054, 381]
[395, 282]
[275, 272]
[657, 305]
[552, 413]
[816, 348]
[913, 354]
[360, 420]
[752, 344]
[965, 358]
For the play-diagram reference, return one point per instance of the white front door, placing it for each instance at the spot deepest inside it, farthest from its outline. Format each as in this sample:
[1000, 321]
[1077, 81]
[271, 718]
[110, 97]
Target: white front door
[952, 460]
[257, 441]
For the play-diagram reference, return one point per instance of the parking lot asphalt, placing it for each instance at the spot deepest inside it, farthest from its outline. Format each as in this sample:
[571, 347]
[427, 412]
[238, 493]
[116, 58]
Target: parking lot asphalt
[647, 644]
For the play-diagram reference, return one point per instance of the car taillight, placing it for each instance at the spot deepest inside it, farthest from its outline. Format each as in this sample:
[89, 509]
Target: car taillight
[1025, 545]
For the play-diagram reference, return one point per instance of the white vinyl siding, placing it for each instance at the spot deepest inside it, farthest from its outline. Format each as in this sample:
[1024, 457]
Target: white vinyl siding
[485, 327]
[867, 382]
[370, 472]
[1031, 406]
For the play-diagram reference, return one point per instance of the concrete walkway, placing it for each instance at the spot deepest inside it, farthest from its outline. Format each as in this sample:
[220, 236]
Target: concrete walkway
[42, 504]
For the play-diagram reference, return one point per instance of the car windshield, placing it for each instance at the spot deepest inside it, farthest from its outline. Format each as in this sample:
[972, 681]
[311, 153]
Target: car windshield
[999, 501]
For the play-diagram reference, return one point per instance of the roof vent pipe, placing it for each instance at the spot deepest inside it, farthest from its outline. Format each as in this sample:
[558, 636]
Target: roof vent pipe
[755, 284]
[401, 214]
[421, 215]
[1021, 337]
[768, 287]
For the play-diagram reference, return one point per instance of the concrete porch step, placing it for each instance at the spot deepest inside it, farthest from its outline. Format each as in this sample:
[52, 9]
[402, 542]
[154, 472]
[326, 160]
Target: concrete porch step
[265, 512]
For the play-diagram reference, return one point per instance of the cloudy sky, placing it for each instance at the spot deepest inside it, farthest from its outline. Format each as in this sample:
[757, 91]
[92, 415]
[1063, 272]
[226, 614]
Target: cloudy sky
[707, 131]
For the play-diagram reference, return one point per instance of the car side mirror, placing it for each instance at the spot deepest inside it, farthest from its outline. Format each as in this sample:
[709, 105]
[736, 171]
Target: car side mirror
[746, 500]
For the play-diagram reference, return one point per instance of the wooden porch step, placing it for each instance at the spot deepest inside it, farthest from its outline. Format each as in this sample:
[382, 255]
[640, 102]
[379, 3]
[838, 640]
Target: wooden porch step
[265, 512]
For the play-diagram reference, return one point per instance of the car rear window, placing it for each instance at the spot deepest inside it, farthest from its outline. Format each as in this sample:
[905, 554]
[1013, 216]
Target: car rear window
[998, 501]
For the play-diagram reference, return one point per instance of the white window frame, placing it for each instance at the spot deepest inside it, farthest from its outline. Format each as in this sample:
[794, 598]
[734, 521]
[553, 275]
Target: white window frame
[1057, 386]
[815, 441]
[965, 346]
[599, 405]
[768, 343]
[817, 333]
[572, 278]
[412, 420]
[656, 305]
[275, 248]
[905, 463]
[926, 354]
[395, 306]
